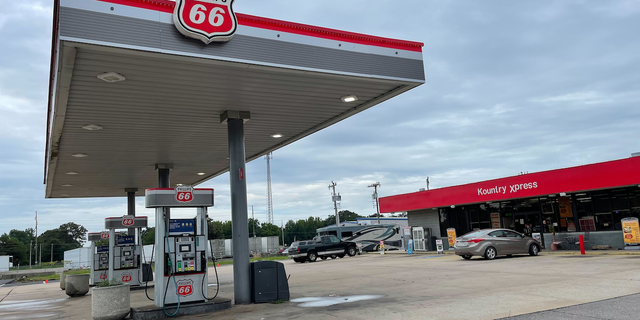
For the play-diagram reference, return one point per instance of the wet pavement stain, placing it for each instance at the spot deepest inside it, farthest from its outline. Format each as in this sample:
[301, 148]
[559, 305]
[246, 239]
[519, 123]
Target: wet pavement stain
[330, 301]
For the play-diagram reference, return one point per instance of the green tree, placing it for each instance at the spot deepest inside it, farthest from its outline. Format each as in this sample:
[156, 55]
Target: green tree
[14, 247]
[149, 236]
[77, 232]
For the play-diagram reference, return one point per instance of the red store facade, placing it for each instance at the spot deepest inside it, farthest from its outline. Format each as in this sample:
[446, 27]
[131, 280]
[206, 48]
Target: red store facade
[589, 199]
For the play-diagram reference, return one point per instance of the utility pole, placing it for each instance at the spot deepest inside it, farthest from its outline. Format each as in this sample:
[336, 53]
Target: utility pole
[52, 252]
[253, 223]
[335, 199]
[30, 247]
[40, 254]
[282, 229]
[36, 237]
[375, 197]
[269, 156]
[427, 183]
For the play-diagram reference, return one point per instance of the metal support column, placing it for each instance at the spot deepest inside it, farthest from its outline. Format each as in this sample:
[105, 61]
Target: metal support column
[239, 215]
[112, 251]
[131, 208]
[92, 273]
[162, 220]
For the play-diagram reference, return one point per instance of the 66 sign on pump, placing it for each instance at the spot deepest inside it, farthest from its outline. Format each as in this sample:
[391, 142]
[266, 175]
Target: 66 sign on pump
[205, 20]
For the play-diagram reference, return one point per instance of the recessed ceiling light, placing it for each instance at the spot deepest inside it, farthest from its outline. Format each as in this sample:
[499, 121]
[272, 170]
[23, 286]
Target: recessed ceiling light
[201, 173]
[71, 173]
[64, 195]
[277, 135]
[350, 98]
[111, 77]
[92, 127]
[67, 185]
[179, 184]
[79, 155]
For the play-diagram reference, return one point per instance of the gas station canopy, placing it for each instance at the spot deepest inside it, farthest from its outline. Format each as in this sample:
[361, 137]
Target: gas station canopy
[129, 91]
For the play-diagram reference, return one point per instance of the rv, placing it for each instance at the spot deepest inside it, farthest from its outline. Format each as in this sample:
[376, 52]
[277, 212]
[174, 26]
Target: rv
[368, 236]
[6, 263]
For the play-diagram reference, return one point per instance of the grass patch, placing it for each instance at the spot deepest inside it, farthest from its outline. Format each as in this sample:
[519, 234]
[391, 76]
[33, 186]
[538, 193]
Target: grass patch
[81, 271]
[38, 278]
[277, 301]
[227, 262]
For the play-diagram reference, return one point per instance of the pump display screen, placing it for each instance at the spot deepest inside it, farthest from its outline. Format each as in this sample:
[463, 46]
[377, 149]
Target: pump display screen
[126, 253]
[182, 226]
[185, 248]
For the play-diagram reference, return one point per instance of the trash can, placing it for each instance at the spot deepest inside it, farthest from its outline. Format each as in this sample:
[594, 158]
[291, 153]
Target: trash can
[268, 282]
[147, 272]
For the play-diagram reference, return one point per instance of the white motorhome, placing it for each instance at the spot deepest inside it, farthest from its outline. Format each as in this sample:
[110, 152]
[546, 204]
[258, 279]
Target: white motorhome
[6, 263]
[369, 236]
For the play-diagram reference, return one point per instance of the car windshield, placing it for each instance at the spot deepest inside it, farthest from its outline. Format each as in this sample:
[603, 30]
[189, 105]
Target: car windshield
[473, 234]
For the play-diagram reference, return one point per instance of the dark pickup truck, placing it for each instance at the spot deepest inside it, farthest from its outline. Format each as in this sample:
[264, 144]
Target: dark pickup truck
[322, 247]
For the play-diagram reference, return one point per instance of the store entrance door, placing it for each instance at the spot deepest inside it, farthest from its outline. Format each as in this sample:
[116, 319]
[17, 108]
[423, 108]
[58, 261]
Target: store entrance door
[521, 220]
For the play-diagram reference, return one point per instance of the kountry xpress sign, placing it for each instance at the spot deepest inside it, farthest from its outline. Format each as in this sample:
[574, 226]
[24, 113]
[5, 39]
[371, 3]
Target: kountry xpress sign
[206, 20]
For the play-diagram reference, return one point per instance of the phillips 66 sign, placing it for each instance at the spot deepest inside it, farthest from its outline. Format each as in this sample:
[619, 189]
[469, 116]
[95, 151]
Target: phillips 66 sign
[206, 20]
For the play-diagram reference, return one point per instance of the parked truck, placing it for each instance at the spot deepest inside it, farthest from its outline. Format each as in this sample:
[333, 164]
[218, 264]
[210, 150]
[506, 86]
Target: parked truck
[321, 247]
[6, 263]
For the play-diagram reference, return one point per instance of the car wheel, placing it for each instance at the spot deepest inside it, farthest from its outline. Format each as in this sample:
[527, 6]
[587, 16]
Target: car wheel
[323, 258]
[466, 257]
[333, 256]
[534, 250]
[312, 256]
[351, 251]
[490, 253]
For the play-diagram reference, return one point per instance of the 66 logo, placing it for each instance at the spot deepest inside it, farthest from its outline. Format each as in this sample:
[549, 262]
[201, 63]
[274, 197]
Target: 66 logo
[206, 20]
[127, 220]
[185, 287]
[184, 194]
[103, 276]
[126, 277]
[104, 235]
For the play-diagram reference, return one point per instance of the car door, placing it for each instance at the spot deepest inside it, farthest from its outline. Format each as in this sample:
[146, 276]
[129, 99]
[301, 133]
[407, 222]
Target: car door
[336, 246]
[499, 241]
[517, 242]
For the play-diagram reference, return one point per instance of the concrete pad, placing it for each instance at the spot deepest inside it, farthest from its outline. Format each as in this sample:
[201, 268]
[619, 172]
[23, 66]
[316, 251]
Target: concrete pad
[409, 287]
[152, 312]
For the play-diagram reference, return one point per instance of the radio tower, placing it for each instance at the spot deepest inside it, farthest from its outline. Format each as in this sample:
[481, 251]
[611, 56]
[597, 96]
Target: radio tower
[269, 156]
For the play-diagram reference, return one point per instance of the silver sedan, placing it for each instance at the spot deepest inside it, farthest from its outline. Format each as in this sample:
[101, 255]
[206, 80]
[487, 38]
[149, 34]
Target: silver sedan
[490, 243]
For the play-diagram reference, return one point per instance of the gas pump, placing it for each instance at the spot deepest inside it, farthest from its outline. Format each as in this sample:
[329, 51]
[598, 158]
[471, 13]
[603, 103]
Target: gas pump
[125, 251]
[181, 255]
[100, 261]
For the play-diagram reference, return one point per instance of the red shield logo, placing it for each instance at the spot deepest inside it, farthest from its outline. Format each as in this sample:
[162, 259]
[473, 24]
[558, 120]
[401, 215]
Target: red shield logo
[184, 194]
[103, 276]
[185, 287]
[206, 20]
[104, 235]
[127, 221]
[126, 277]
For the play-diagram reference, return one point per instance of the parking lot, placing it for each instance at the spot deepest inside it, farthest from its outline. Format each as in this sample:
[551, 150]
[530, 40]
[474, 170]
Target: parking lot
[394, 286]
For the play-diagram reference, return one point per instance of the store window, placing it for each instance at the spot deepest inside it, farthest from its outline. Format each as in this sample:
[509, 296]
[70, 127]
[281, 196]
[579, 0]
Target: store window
[619, 207]
[602, 211]
[507, 209]
[549, 208]
[584, 207]
[493, 209]
[634, 202]
[474, 217]
[484, 214]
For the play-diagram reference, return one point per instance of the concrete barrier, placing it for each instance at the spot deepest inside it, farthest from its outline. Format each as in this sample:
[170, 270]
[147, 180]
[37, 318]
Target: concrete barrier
[62, 276]
[110, 303]
[76, 285]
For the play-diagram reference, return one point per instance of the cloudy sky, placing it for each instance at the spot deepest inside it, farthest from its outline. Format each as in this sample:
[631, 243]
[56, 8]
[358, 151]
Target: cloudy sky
[511, 86]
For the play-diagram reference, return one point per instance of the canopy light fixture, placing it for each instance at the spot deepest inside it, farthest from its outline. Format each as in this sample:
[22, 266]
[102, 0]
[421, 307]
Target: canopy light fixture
[71, 173]
[201, 173]
[350, 98]
[67, 185]
[277, 135]
[92, 127]
[562, 194]
[111, 77]
[79, 155]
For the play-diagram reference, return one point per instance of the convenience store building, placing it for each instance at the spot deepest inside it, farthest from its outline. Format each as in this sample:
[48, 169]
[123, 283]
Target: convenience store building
[585, 200]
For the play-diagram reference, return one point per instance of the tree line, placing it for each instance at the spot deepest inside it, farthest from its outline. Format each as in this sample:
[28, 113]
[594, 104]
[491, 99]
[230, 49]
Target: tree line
[52, 243]
[302, 229]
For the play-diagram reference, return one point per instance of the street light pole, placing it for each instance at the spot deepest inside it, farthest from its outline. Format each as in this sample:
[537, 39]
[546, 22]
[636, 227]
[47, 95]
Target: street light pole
[375, 196]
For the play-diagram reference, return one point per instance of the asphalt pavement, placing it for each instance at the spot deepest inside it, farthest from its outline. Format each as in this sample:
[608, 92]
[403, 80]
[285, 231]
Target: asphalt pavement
[621, 308]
